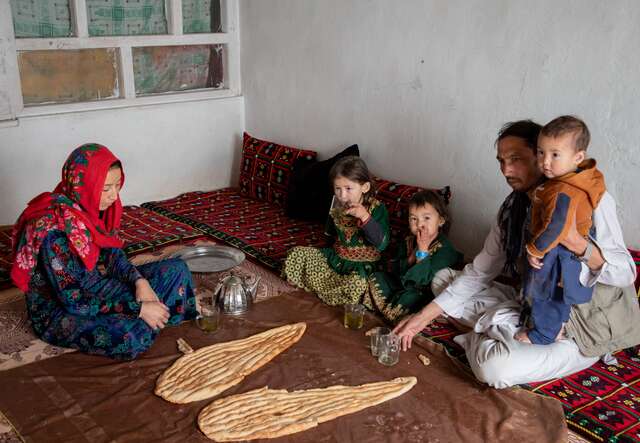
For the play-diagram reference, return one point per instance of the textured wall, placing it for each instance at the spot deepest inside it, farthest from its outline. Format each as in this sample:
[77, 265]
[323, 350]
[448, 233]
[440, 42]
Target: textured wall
[423, 87]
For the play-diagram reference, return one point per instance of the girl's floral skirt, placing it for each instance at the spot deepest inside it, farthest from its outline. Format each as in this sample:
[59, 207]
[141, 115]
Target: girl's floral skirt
[308, 269]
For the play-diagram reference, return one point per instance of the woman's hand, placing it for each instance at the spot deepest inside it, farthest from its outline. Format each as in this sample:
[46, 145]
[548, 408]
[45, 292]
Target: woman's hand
[144, 291]
[155, 314]
[358, 211]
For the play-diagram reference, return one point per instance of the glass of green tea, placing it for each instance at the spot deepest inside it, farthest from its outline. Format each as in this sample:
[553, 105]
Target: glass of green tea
[208, 319]
[353, 316]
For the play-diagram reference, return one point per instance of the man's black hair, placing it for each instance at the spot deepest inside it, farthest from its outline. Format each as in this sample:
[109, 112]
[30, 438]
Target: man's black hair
[527, 130]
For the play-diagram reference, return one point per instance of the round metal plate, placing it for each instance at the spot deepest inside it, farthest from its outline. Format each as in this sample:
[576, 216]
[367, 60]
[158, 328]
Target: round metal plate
[210, 258]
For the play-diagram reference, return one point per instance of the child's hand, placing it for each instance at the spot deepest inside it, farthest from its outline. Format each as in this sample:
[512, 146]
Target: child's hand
[535, 262]
[358, 211]
[423, 241]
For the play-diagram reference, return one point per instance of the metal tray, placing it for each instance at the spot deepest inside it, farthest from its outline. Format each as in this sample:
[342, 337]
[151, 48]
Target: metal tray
[211, 258]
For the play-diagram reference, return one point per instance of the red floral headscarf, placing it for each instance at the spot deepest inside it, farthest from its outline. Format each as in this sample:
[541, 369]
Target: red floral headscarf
[73, 207]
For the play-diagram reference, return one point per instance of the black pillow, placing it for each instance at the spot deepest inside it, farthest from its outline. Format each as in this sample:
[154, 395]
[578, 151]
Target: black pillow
[310, 193]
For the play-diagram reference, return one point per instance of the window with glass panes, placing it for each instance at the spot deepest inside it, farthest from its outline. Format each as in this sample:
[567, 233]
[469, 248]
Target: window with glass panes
[112, 51]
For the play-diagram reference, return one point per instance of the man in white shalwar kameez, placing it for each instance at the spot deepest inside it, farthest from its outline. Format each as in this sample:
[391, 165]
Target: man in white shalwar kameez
[493, 311]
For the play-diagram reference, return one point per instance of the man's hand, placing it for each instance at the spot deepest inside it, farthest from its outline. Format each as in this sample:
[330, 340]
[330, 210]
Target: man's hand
[358, 211]
[409, 328]
[144, 291]
[155, 314]
[573, 241]
[577, 244]
[534, 262]
[414, 323]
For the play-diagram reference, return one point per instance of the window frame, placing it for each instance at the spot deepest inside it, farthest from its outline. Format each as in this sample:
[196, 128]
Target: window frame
[124, 45]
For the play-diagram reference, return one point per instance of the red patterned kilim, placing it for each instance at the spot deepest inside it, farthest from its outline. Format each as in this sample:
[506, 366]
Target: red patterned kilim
[601, 403]
[259, 228]
[142, 230]
[443, 332]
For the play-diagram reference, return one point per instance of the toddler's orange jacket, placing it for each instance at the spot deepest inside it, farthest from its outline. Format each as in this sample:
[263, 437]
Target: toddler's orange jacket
[555, 202]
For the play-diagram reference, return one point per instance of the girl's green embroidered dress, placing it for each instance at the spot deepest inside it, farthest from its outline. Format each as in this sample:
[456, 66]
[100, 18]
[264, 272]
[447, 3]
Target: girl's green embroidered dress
[338, 275]
[407, 288]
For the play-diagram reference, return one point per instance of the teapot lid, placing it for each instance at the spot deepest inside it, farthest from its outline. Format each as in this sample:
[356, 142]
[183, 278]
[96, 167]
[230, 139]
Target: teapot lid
[232, 280]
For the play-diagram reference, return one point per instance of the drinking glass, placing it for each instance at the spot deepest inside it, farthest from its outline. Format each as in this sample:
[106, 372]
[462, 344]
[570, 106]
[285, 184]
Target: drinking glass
[353, 316]
[376, 334]
[208, 319]
[389, 350]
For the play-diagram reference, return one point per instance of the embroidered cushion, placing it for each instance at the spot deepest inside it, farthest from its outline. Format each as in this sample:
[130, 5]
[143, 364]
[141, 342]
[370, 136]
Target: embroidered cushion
[396, 197]
[266, 169]
[309, 189]
[636, 258]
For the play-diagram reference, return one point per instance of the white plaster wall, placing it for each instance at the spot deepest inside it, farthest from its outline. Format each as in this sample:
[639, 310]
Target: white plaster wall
[166, 149]
[423, 87]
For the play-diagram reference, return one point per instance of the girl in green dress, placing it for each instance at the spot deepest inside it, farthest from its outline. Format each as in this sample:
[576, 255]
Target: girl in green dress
[423, 253]
[359, 228]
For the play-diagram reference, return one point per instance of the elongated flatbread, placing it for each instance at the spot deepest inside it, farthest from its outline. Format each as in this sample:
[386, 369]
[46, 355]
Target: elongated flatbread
[210, 370]
[270, 413]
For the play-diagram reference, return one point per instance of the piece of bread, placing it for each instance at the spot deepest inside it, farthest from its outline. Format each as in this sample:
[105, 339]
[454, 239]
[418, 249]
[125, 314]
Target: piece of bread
[270, 413]
[210, 370]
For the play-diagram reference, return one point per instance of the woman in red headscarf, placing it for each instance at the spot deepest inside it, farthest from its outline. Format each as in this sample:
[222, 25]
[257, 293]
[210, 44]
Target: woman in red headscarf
[60, 239]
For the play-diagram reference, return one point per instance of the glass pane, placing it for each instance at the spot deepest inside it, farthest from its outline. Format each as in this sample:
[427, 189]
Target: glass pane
[41, 18]
[126, 17]
[68, 76]
[178, 68]
[201, 16]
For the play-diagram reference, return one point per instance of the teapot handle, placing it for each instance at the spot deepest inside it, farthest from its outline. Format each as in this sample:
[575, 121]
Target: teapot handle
[254, 288]
[251, 287]
[216, 293]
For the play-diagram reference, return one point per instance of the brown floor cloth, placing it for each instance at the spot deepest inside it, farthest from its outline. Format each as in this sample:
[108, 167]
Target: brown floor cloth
[77, 397]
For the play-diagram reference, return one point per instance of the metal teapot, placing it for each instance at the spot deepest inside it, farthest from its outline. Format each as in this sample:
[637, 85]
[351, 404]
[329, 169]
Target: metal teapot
[235, 295]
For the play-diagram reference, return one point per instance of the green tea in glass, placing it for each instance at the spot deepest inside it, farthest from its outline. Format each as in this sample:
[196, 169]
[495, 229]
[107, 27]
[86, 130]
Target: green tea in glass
[353, 316]
[208, 319]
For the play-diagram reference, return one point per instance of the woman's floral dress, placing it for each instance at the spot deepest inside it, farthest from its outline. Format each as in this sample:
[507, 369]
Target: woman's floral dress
[96, 311]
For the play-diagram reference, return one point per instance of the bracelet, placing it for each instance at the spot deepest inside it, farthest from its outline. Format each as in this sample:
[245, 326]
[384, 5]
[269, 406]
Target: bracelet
[420, 255]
